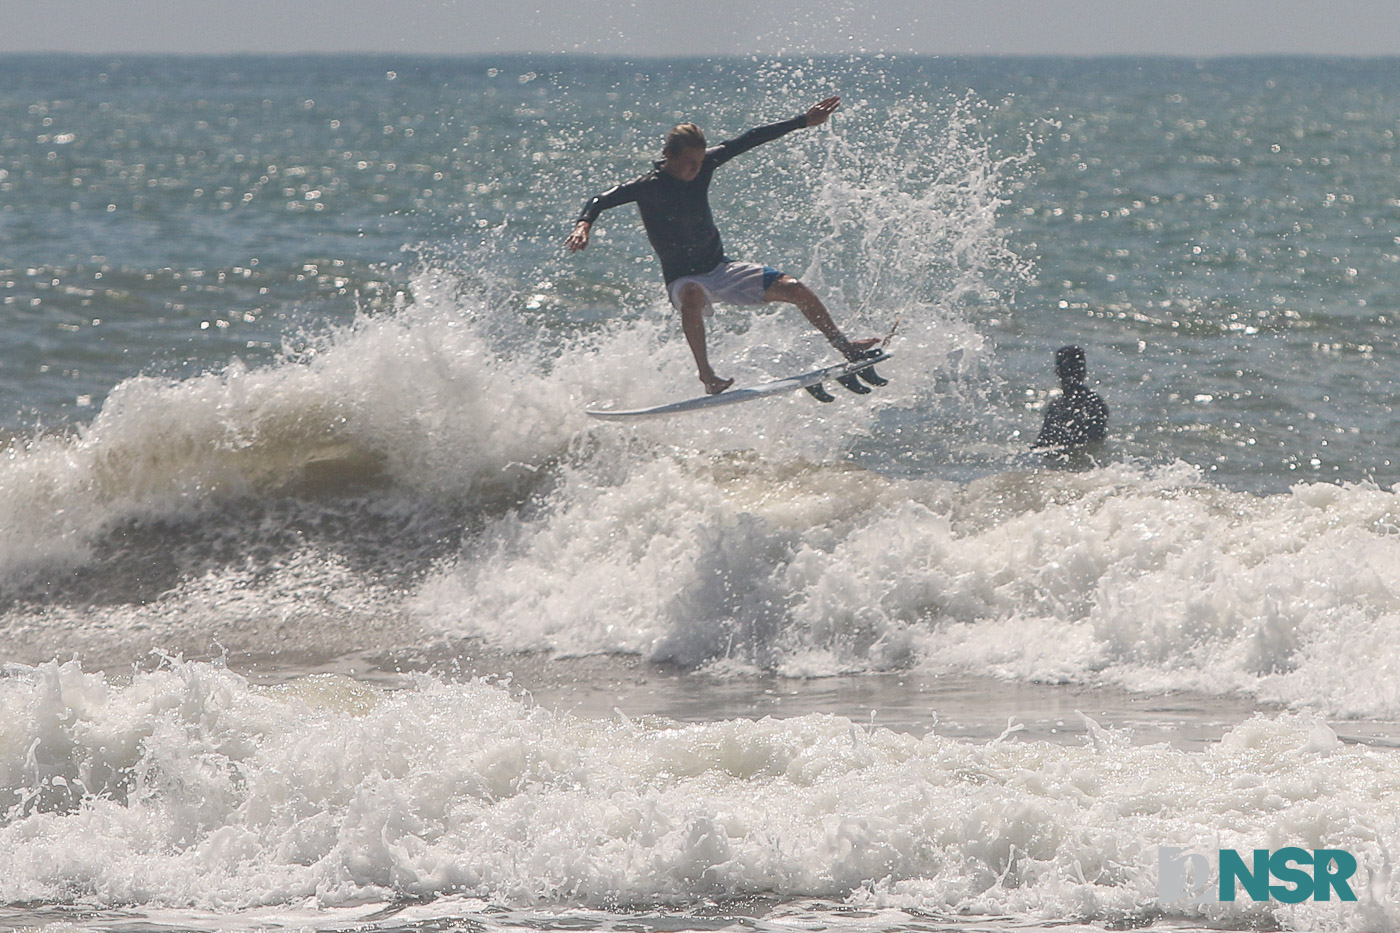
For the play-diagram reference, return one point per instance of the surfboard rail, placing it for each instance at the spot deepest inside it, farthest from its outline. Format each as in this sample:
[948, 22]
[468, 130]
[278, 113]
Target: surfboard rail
[747, 394]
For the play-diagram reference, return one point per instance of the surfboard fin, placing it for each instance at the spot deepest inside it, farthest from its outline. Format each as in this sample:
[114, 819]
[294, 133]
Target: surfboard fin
[853, 383]
[819, 393]
[871, 376]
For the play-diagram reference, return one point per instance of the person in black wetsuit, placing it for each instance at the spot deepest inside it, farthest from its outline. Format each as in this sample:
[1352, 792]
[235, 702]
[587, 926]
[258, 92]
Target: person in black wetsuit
[1079, 416]
[674, 202]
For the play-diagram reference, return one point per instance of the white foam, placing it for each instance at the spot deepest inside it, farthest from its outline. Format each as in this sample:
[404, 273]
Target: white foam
[189, 788]
[415, 401]
[1148, 578]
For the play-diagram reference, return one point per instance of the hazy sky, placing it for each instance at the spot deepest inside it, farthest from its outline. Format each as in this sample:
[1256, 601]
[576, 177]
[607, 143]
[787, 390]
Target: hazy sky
[670, 27]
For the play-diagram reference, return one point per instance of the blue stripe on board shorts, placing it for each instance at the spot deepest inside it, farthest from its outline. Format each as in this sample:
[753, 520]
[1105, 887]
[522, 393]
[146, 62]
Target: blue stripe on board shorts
[737, 283]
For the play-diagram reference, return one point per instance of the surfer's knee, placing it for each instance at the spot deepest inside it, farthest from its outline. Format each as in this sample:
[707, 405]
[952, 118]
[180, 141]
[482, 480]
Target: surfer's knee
[788, 289]
[691, 296]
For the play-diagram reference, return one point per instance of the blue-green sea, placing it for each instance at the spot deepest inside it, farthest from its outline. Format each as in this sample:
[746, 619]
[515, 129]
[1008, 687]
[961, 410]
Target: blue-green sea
[324, 605]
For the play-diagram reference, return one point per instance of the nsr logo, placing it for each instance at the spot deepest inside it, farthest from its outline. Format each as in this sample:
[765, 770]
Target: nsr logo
[1182, 873]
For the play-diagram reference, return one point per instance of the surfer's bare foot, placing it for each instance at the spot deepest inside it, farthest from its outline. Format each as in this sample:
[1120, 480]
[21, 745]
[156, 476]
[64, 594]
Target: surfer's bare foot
[715, 385]
[854, 350]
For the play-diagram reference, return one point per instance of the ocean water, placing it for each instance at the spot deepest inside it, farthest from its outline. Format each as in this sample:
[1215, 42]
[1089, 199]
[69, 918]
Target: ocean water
[324, 606]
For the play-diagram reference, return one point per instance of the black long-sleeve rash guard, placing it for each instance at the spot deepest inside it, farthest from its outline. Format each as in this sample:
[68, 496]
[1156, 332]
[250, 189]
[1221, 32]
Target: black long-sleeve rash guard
[676, 214]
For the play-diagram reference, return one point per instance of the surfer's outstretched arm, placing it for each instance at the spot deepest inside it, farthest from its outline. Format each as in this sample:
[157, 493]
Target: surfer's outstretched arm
[815, 115]
[613, 197]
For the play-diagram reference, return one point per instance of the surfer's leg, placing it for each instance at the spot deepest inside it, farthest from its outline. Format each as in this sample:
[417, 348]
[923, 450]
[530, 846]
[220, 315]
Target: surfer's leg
[790, 290]
[692, 301]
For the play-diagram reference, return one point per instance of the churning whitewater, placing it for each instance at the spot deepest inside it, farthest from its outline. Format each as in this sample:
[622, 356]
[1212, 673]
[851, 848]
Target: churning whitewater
[324, 604]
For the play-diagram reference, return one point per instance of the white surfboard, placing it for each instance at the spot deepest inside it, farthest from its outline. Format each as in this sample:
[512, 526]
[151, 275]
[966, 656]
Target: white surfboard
[735, 396]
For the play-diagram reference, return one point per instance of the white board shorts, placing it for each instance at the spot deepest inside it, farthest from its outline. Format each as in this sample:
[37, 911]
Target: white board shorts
[737, 283]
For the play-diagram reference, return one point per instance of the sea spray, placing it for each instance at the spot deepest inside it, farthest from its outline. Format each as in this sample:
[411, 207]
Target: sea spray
[410, 401]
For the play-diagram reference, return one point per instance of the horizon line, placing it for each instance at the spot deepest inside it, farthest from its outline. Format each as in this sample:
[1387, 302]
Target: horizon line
[657, 56]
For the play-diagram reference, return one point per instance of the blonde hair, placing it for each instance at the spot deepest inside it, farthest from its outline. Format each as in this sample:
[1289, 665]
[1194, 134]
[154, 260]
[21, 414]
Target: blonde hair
[682, 137]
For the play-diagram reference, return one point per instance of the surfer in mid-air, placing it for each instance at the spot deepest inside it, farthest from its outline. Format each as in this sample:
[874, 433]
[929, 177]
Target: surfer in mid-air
[675, 206]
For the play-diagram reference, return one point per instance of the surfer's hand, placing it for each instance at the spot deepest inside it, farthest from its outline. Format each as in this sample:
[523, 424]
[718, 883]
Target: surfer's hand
[818, 113]
[579, 238]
